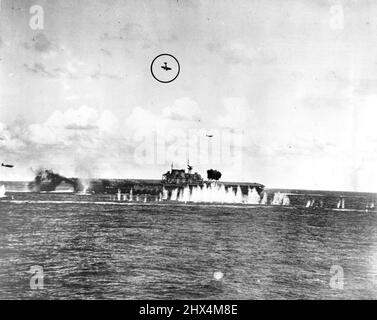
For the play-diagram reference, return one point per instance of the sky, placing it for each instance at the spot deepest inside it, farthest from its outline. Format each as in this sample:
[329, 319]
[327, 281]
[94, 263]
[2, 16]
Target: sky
[288, 90]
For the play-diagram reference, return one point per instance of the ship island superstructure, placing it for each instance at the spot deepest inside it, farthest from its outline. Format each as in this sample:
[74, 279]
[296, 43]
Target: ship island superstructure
[180, 177]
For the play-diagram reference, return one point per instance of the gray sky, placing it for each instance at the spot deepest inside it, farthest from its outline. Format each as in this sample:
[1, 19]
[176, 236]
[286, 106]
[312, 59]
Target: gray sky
[292, 82]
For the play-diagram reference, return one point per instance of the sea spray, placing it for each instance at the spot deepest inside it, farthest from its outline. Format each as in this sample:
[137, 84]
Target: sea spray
[85, 183]
[286, 201]
[214, 192]
[265, 198]
[2, 191]
[239, 195]
[280, 199]
[252, 196]
[174, 195]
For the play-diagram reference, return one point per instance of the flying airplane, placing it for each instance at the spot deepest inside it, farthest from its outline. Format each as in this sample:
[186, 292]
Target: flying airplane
[7, 165]
[165, 67]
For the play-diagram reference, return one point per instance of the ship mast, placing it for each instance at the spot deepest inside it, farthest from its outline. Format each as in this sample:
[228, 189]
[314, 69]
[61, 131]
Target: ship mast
[189, 168]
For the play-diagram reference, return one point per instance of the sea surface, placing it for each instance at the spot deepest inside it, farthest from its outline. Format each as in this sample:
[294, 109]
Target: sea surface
[90, 247]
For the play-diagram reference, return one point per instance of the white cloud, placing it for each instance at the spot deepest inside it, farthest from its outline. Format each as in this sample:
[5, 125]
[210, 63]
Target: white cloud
[9, 139]
[182, 109]
[238, 114]
[179, 116]
[83, 126]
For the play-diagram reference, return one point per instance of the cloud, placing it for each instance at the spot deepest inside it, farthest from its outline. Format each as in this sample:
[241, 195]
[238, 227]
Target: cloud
[9, 139]
[40, 43]
[76, 136]
[40, 69]
[129, 32]
[141, 35]
[67, 140]
[239, 52]
[181, 115]
[182, 109]
[99, 74]
[56, 61]
[105, 52]
[238, 114]
[73, 69]
[82, 126]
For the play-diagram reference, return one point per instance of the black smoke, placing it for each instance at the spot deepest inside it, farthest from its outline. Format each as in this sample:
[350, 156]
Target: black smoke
[47, 180]
[213, 174]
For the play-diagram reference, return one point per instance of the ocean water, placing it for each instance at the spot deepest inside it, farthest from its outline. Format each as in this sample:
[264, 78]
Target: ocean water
[92, 248]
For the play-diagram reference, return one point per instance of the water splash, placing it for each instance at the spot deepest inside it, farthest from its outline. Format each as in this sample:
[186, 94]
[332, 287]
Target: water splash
[215, 193]
[2, 191]
[280, 199]
[253, 196]
[265, 198]
[286, 201]
[174, 195]
[184, 195]
[85, 184]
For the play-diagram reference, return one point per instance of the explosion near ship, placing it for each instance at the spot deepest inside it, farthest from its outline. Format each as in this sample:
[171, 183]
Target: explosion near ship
[46, 180]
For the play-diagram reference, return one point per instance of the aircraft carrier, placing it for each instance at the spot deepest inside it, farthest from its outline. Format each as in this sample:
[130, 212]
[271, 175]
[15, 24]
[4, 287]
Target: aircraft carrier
[47, 181]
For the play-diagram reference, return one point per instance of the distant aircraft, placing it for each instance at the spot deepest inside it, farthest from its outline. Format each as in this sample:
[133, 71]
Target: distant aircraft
[165, 67]
[7, 165]
[209, 135]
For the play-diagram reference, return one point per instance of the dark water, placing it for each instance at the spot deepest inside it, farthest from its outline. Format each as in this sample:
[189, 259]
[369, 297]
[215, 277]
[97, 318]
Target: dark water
[169, 251]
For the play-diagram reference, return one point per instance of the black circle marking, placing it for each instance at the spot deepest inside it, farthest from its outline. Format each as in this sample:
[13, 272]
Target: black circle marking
[171, 56]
